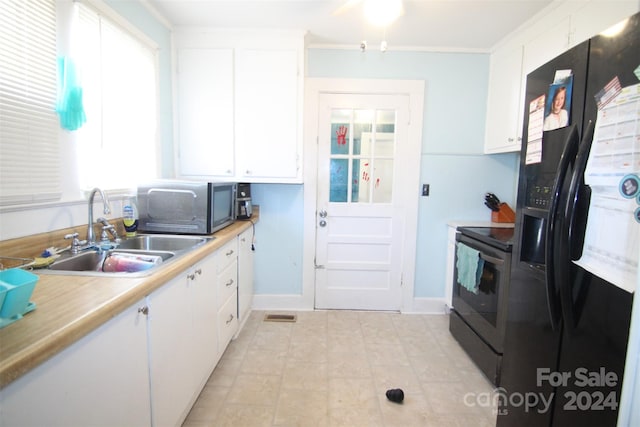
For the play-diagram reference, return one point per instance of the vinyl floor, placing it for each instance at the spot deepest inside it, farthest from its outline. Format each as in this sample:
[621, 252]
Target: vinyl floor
[333, 368]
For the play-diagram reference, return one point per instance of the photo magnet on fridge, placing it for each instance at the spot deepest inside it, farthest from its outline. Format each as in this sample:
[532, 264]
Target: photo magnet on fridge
[558, 105]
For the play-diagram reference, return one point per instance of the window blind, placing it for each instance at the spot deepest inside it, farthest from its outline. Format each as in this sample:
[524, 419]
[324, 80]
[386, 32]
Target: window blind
[29, 149]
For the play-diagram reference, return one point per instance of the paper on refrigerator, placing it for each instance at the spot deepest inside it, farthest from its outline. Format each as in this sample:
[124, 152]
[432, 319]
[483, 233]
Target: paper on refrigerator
[612, 238]
[534, 131]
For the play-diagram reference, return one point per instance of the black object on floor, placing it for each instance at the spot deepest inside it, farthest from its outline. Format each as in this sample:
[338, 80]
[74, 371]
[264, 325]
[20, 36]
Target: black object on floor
[395, 395]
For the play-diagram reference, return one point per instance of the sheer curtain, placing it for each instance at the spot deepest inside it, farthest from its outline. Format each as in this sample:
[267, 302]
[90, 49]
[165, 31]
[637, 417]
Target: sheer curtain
[118, 145]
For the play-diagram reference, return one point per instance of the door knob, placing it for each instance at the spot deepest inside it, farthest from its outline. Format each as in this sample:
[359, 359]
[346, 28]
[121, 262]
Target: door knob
[322, 223]
[322, 214]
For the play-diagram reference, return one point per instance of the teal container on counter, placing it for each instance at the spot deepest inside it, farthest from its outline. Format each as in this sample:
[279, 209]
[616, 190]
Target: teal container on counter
[16, 287]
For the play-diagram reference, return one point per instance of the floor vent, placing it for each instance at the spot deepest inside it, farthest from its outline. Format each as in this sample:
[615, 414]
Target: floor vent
[280, 317]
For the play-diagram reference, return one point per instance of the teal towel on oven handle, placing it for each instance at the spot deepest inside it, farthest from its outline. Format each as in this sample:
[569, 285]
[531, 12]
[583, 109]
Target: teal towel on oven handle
[469, 267]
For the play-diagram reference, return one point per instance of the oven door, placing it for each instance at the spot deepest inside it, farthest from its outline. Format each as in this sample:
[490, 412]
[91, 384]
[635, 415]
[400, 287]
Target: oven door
[486, 311]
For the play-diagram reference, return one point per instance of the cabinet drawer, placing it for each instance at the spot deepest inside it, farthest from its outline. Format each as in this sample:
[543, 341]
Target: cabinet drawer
[227, 254]
[227, 282]
[227, 321]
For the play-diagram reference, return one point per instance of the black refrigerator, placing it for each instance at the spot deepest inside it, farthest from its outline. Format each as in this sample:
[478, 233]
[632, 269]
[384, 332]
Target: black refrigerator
[567, 329]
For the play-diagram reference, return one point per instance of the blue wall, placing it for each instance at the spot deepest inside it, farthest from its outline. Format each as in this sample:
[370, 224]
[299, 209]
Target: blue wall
[452, 163]
[278, 256]
[452, 160]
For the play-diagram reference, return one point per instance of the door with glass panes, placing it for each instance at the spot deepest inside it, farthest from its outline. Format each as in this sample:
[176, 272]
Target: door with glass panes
[359, 222]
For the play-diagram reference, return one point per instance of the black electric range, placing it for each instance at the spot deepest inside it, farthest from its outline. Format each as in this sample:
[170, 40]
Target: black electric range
[498, 237]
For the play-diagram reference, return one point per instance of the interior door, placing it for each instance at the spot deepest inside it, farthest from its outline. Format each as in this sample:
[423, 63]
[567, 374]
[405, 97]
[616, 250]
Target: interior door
[359, 217]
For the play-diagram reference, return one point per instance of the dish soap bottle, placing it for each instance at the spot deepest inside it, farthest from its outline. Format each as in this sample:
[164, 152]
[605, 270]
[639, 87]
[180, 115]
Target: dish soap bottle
[130, 218]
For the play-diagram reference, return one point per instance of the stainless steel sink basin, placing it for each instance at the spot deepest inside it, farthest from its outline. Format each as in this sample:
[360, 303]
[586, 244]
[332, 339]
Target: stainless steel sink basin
[90, 262]
[93, 260]
[162, 242]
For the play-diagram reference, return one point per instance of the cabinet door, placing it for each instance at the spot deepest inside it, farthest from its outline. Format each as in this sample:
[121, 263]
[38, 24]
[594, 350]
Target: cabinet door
[267, 114]
[170, 352]
[205, 310]
[245, 274]
[548, 44]
[101, 380]
[205, 112]
[504, 112]
[183, 341]
[591, 18]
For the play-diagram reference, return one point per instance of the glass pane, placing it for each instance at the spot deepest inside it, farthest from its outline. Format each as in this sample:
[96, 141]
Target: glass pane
[339, 180]
[340, 122]
[383, 181]
[361, 181]
[385, 133]
[363, 126]
[384, 144]
[385, 121]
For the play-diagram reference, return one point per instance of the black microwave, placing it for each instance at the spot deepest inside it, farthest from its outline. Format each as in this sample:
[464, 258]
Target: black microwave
[186, 207]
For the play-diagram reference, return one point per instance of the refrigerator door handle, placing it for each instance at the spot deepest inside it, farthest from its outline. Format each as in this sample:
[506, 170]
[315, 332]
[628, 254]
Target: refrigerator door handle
[555, 254]
[577, 203]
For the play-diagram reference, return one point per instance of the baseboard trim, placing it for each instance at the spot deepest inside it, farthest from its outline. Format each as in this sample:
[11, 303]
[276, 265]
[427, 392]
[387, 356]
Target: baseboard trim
[298, 303]
[428, 306]
[280, 302]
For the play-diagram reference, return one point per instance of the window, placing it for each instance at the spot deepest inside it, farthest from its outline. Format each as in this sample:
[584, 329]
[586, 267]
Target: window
[29, 153]
[117, 146]
[362, 156]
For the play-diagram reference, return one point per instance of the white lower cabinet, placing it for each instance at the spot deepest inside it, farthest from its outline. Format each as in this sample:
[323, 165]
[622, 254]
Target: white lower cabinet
[146, 366]
[227, 321]
[205, 355]
[245, 275]
[101, 380]
[227, 286]
[182, 341]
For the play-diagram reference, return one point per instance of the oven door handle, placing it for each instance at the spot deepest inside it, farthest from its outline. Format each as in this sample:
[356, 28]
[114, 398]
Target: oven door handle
[493, 260]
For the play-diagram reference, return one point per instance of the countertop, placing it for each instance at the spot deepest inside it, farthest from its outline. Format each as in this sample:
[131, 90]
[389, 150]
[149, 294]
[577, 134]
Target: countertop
[70, 307]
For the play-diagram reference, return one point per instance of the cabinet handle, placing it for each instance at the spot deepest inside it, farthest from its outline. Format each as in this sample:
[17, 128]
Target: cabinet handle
[510, 139]
[143, 310]
[229, 283]
[230, 319]
[192, 276]
[229, 253]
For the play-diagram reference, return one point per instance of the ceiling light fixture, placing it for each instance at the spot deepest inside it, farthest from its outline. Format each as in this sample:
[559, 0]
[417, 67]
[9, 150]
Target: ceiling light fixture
[381, 13]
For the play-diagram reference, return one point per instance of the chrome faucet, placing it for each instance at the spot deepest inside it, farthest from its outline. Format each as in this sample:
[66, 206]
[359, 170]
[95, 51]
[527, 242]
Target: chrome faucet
[91, 237]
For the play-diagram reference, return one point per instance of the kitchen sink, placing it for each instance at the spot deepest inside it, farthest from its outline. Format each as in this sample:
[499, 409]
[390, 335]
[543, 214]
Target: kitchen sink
[163, 248]
[91, 262]
[162, 242]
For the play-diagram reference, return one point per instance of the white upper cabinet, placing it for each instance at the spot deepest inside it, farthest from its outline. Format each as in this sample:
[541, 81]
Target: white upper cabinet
[504, 105]
[562, 26]
[205, 112]
[240, 105]
[267, 113]
[593, 17]
[546, 45]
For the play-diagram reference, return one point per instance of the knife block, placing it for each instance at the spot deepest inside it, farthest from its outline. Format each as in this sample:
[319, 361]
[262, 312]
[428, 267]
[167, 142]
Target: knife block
[504, 214]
